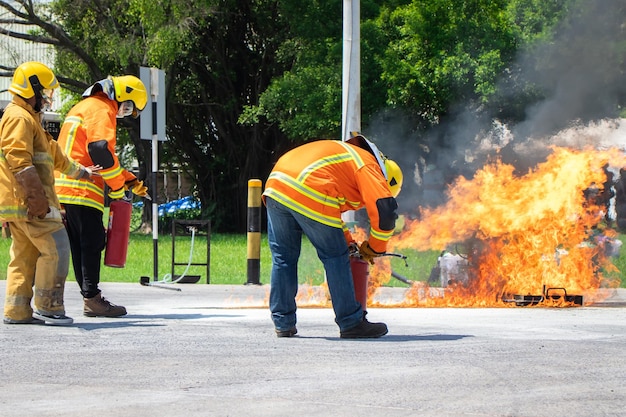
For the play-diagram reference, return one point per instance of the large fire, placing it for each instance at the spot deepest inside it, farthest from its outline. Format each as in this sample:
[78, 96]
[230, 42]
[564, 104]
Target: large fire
[509, 235]
[518, 234]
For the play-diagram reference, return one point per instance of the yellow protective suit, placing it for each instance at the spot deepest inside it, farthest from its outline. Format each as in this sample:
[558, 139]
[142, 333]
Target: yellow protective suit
[40, 247]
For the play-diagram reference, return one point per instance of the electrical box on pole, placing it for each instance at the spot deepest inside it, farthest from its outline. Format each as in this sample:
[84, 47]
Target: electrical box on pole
[152, 118]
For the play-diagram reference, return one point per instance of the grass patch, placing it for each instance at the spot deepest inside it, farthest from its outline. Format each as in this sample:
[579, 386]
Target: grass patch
[228, 264]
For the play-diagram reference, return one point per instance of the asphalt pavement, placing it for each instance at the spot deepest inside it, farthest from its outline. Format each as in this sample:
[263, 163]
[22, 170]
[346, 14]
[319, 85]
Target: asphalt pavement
[210, 350]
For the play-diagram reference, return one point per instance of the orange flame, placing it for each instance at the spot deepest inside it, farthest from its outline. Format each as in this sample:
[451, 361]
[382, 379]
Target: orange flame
[520, 233]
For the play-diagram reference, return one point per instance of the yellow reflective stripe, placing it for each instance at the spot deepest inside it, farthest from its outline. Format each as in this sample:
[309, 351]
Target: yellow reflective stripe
[42, 158]
[305, 211]
[357, 158]
[329, 160]
[307, 191]
[117, 194]
[381, 235]
[111, 173]
[13, 212]
[354, 204]
[76, 122]
[73, 169]
[359, 164]
[64, 181]
[17, 300]
[81, 201]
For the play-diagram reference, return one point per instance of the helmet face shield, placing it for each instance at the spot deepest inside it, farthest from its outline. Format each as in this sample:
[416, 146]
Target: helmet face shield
[46, 99]
[360, 141]
[130, 88]
[126, 108]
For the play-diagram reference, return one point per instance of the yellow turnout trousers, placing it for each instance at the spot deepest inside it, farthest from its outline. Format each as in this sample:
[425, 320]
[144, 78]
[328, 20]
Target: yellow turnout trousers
[39, 258]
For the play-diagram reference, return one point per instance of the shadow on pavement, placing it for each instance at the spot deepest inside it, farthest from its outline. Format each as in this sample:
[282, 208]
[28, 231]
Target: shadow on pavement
[145, 320]
[402, 338]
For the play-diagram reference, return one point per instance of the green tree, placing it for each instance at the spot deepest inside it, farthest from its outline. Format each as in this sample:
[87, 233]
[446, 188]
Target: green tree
[218, 57]
[305, 101]
[444, 52]
[248, 79]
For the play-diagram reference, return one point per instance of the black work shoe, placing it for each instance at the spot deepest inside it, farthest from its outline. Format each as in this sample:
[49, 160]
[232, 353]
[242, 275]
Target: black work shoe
[31, 320]
[286, 333]
[54, 319]
[365, 330]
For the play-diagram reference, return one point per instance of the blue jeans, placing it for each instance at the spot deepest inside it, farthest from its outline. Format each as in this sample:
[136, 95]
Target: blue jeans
[284, 230]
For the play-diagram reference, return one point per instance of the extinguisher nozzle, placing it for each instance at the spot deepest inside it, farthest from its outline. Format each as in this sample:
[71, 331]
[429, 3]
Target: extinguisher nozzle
[145, 281]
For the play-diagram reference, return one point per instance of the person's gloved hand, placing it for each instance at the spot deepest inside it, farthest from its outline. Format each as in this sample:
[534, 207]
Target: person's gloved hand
[35, 195]
[367, 253]
[137, 187]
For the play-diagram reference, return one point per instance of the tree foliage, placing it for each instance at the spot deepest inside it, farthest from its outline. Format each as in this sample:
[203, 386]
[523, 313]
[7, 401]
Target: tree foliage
[247, 79]
[218, 57]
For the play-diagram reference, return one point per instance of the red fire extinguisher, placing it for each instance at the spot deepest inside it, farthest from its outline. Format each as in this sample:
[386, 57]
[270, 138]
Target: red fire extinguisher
[360, 277]
[118, 233]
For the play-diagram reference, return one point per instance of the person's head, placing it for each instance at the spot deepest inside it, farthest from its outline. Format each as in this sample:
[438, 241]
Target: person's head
[127, 90]
[390, 169]
[34, 82]
[131, 95]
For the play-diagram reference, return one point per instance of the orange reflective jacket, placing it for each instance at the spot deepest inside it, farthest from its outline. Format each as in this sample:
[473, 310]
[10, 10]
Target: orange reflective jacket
[88, 135]
[323, 179]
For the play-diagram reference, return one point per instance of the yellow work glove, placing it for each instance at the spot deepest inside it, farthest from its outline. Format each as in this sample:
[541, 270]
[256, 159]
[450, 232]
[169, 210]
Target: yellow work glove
[367, 253]
[137, 187]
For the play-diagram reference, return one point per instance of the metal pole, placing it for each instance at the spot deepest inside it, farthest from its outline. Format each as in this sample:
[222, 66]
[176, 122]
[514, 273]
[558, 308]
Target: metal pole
[155, 207]
[351, 84]
[351, 80]
[254, 231]
[154, 89]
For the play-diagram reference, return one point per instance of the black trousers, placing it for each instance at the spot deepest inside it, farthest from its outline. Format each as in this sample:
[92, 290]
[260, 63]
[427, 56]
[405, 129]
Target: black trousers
[87, 241]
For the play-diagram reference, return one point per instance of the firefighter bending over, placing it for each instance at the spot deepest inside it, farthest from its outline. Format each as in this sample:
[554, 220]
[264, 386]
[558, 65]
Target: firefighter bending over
[88, 135]
[306, 192]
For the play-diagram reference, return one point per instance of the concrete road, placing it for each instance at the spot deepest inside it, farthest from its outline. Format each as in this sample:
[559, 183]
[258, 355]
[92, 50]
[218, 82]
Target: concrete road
[210, 350]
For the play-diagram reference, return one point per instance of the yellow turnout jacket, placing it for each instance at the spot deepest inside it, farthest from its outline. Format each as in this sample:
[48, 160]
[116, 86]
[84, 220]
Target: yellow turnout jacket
[24, 142]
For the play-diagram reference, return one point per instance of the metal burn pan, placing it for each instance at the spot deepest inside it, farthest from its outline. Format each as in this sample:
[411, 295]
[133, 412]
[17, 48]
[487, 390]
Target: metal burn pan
[549, 294]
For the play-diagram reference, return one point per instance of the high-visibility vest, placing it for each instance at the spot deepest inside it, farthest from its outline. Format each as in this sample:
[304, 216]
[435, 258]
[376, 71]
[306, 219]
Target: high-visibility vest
[91, 121]
[323, 179]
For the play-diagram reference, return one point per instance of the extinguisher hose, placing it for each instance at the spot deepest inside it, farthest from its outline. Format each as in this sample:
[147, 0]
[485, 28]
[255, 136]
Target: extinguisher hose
[167, 278]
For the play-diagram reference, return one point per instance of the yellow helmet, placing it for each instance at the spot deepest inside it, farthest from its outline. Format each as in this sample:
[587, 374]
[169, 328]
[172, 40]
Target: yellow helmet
[130, 88]
[390, 169]
[394, 177]
[32, 78]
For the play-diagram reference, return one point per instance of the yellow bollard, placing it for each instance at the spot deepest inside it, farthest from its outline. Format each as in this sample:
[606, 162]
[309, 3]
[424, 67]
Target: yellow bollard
[254, 231]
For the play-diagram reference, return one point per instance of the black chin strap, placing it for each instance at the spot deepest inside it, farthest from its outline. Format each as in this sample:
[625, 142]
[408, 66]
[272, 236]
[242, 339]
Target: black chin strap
[34, 82]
